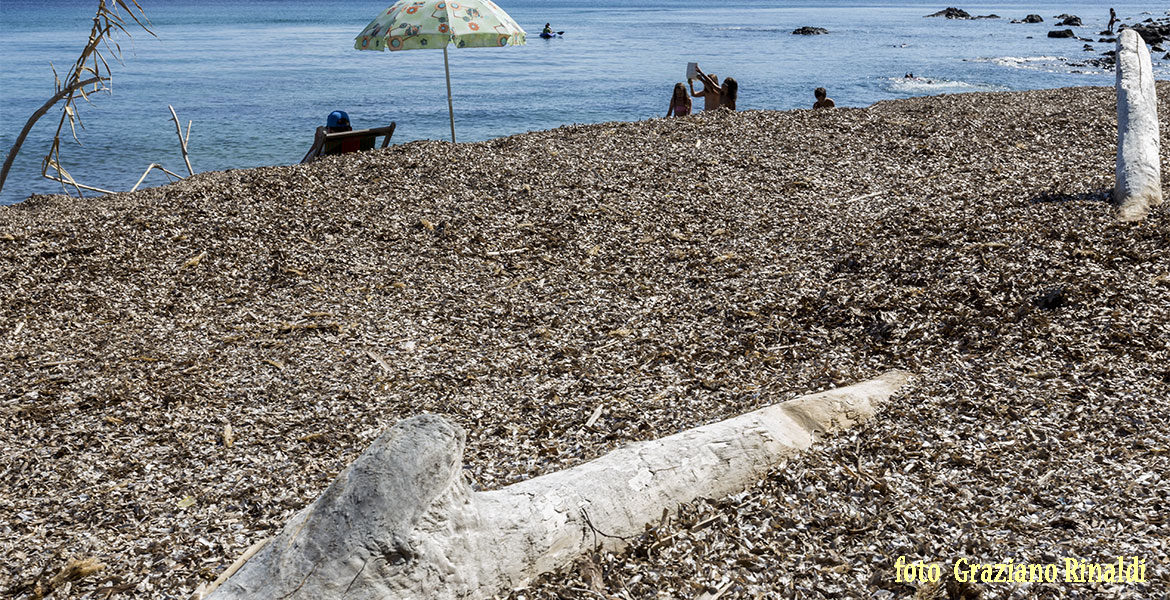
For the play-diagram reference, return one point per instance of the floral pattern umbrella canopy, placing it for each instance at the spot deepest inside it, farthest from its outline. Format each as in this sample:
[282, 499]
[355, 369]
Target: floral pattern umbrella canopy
[423, 24]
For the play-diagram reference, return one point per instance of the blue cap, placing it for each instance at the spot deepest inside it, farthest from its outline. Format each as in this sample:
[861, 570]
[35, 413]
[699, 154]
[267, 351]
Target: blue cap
[338, 118]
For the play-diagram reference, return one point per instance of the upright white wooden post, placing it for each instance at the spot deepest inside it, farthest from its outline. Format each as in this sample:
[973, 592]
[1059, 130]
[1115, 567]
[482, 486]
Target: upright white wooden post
[1139, 178]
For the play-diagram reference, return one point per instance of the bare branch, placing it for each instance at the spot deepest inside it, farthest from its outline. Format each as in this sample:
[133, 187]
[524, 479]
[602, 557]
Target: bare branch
[182, 142]
[28, 125]
[91, 67]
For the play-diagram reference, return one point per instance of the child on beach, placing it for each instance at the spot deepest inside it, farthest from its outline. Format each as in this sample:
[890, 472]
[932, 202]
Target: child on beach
[728, 93]
[337, 121]
[823, 99]
[680, 102]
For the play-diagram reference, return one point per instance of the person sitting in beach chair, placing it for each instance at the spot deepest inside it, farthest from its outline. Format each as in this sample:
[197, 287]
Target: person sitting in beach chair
[338, 137]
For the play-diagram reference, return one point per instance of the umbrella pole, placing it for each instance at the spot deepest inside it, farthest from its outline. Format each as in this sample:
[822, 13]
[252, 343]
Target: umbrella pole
[450, 106]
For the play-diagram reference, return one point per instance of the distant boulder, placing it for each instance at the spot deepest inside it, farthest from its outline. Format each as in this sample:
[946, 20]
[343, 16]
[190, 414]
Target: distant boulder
[1029, 19]
[1071, 21]
[1064, 16]
[952, 13]
[810, 31]
[991, 16]
[1154, 33]
[1062, 33]
[1108, 40]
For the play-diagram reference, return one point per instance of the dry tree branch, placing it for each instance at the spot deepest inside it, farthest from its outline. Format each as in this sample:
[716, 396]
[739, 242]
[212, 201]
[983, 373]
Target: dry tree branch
[182, 141]
[90, 68]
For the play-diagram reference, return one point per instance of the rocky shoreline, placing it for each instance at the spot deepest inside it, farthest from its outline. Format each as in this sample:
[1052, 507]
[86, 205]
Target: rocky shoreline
[1155, 31]
[186, 366]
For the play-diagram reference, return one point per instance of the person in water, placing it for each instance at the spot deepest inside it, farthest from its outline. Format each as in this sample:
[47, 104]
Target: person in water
[711, 91]
[336, 122]
[823, 99]
[728, 93]
[1112, 19]
[680, 102]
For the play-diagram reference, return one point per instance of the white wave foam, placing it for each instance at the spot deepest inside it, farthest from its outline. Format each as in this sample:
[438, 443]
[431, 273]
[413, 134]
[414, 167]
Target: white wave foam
[763, 29]
[934, 85]
[1047, 64]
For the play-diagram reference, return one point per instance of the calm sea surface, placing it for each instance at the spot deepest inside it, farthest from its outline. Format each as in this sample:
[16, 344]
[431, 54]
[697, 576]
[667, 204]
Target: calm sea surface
[257, 76]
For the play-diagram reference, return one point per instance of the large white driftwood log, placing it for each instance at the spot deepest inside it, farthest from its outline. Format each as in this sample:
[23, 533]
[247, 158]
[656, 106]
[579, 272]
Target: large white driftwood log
[401, 522]
[1139, 179]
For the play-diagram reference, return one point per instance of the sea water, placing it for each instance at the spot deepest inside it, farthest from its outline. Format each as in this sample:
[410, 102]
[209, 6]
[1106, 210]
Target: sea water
[257, 76]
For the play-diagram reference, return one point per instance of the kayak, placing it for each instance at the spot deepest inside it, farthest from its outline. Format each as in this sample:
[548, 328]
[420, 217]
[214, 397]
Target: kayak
[551, 35]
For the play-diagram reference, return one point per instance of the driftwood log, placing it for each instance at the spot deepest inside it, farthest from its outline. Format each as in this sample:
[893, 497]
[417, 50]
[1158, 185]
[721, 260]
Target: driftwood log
[401, 522]
[1139, 179]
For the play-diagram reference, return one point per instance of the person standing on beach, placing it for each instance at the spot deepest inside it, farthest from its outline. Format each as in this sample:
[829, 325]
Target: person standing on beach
[711, 90]
[823, 99]
[680, 102]
[1112, 19]
[728, 93]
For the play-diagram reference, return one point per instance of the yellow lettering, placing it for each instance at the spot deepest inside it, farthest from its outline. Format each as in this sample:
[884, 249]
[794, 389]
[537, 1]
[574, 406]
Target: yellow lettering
[988, 575]
[899, 566]
[960, 575]
[1021, 574]
[1050, 573]
[1070, 570]
[1093, 573]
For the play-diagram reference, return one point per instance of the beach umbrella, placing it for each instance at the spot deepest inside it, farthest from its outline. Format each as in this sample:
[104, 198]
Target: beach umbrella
[433, 24]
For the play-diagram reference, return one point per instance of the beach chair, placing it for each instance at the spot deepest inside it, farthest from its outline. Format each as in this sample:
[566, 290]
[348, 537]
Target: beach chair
[353, 141]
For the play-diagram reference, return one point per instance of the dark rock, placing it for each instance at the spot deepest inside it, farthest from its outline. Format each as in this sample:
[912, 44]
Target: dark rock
[1157, 48]
[1109, 53]
[1106, 32]
[1064, 16]
[1153, 34]
[810, 31]
[1108, 40]
[991, 16]
[1051, 298]
[1033, 19]
[952, 13]
[1088, 48]
[1061, 33]
[1167, 57]
[1071, 21]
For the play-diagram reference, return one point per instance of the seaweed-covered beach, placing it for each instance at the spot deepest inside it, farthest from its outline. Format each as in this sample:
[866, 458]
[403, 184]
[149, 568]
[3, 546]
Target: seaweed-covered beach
[183, 368]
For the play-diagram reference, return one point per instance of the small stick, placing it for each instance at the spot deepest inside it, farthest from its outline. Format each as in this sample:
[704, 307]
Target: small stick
[144, 174]
[205, 590]
[596, 414]
[869, 195]
[506, 252]
[182, 142]
[378, 359]
[154, 166]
